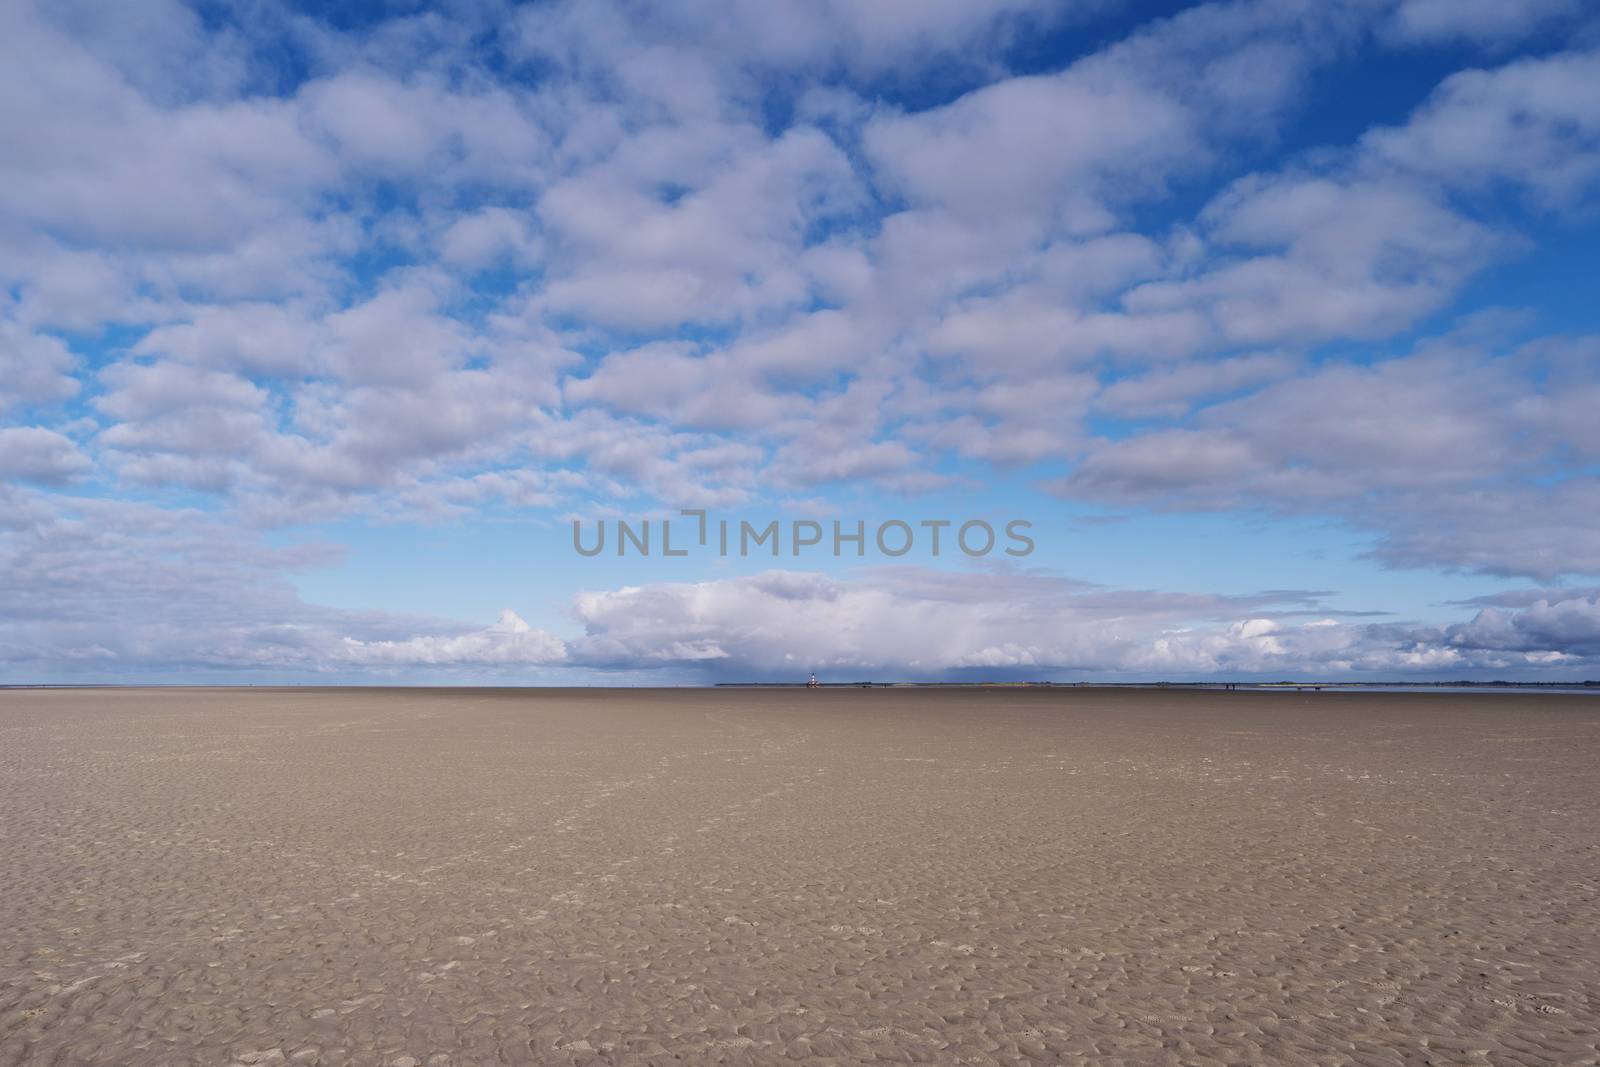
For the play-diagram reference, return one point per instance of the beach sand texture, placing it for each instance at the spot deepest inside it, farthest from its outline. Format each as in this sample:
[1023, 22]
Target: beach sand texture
[409, 877]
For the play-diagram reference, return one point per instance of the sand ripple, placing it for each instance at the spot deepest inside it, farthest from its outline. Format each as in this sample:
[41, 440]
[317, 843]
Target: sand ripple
[413, 878]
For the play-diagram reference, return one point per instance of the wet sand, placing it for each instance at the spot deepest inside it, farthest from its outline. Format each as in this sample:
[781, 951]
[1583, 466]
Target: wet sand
[982, 876]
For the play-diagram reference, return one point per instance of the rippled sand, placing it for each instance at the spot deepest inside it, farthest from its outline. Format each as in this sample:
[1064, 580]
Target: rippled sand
[980, 876]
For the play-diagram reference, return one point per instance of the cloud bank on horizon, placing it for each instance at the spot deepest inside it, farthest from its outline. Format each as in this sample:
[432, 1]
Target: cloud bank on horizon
[275, 277]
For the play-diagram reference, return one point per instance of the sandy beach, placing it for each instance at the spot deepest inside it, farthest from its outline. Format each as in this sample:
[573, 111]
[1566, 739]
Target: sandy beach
[406, 877]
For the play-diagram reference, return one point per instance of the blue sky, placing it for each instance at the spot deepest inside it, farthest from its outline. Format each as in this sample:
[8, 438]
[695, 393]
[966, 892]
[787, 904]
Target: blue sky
[321, 325]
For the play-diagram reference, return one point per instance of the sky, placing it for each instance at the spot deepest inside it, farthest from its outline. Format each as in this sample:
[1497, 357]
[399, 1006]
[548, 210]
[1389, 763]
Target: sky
[322, 329]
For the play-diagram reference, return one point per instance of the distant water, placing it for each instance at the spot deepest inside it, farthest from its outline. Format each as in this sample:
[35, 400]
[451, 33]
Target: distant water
[1591, 690]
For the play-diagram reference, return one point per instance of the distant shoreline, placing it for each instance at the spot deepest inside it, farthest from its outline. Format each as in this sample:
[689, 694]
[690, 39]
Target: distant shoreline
[1583, 687]
[1278, 687]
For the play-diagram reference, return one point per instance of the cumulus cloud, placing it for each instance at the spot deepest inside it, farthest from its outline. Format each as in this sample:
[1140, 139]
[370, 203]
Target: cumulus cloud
[101, 589]
[1325, 257]
[1568, 628]
[269, 340]
[570, 254]
[1543, 532]
[1425, 449]
[35, 454]
[1169, 392]
[105, 589]
[34, 368]
[917, 622]
[1486, 22]
[819, 262]
[908, 622]
[509, 641]
[633, 42]
[1528, 124]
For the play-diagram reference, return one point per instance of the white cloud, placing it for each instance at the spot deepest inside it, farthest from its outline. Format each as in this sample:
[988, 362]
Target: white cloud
[35, 454]
[489, 236]
[912, 623]
[34, 368]
[1533, 123]
[138, 391]
[1078, 133]
[701, 253]
[1542, 532]
[1568, 627]
[1174, 391]
[1426, 449]
[1305, 259]
[619, 39]
[1489, 22]
[509, 641]
[101, 589]
[692, 225]
[269, 340]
